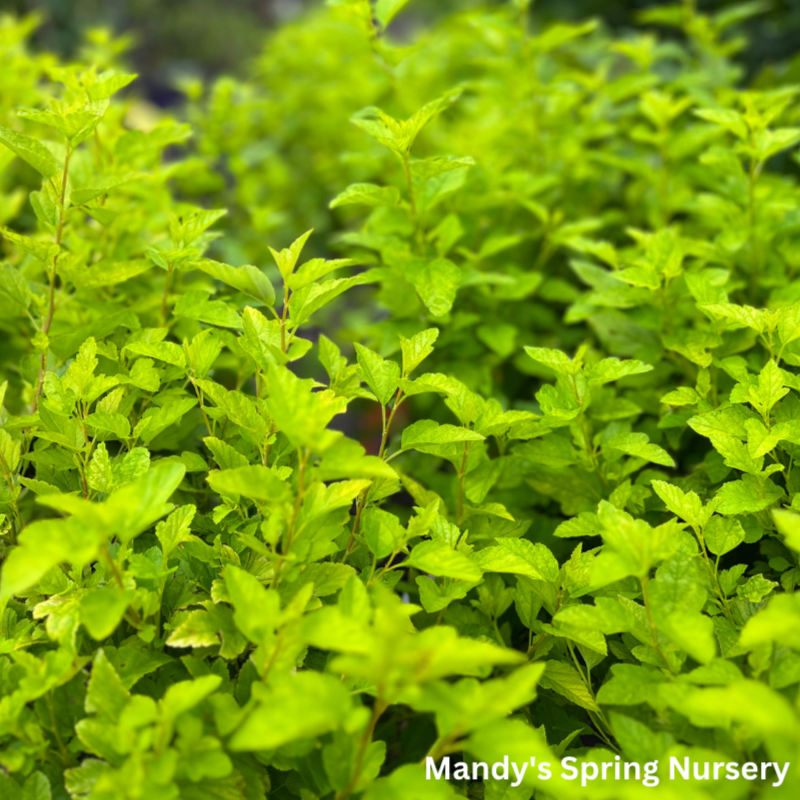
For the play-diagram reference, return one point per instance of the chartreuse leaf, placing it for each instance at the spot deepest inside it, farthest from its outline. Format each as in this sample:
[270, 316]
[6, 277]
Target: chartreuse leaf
[286, 259]
[36, 154]
[381, 375]
[436, 283]
[518, 557]
[129, 510]
[247, 279]
[637, 444]
[416, 349]
[565, 680]
[426, 432]
[43, 545]
[367, 194]
[632, 546]
[382, 531]
[301, 414]
[254, 481]
[307, 704]
[317, 268]
[437, 558]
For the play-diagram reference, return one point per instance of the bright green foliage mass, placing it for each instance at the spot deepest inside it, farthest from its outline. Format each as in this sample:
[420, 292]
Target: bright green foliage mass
[283, 512]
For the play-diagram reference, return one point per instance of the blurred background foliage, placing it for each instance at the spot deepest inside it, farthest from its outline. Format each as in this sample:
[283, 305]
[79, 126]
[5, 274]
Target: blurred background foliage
[174, 39]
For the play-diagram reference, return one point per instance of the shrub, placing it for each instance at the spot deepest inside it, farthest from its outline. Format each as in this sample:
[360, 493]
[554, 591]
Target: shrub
[571, 308]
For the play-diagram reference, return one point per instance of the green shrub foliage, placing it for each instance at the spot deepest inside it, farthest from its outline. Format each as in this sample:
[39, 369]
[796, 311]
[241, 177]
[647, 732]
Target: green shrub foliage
[498, 462]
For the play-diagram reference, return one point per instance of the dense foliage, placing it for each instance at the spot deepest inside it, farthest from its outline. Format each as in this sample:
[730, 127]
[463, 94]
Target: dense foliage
[500, 461]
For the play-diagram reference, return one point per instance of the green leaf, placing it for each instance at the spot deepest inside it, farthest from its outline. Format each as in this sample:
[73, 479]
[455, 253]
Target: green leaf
[564, 679]
[426, 432]
[612, 369]
[416, 349]
[637, 444]
[308, 300]
[43, 545]
[382, 531]
[436, 283]
[367, 194]
[305, 705]
[259, 483]
[102, 610]
[723, 535]
[175, 529]
[286, 259]
[300, 413]
[518, 557]
[37, 155]
[748, 495]
[247, 279]
[381, 375]
[437, 558]
[317, 268]
[106, 696]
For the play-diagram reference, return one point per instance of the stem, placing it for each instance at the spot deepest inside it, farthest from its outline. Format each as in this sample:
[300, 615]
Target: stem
[651, 623]
[106, 553]
[51, 306]
[202, 408]
[377, 710]
[165, 295]
[62, 750]
[303, 459]
[387, 424]
[284, 314]
[10, 482]
[413, 202]
[460, 509]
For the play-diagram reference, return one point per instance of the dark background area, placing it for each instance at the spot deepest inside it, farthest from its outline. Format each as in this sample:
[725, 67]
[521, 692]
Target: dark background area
[208, 37]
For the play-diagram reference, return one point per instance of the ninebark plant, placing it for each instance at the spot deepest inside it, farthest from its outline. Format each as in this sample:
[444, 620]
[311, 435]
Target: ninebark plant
[572, 305]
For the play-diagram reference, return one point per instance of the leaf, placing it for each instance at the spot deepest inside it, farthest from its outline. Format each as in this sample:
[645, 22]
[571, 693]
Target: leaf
[426, 432]
[175, 529]
[518, 557]
[106, 695]
[723, 535]
[306, 301]
[612, 369]
[381, 375]
[286, 259]
[79, 197]
[247, 279]
[564, 679]
[307, 704]
[43, 545]
[416, 349]
[382, 531]
[748, 495]
[437, 558]
[687, 506]
[255, 481]
[637, 444]
[317, 268]
[156, 420]
[367, 194]
[162, 351]
[436, 283]
[37, 155]
[558, 361]
[102, 610]
[560, 34]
